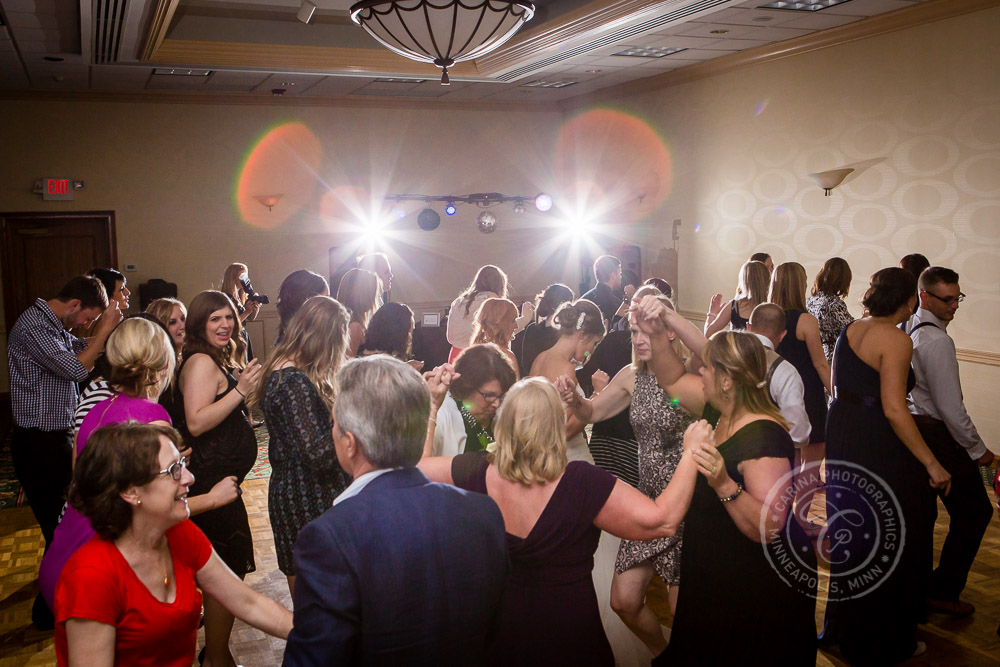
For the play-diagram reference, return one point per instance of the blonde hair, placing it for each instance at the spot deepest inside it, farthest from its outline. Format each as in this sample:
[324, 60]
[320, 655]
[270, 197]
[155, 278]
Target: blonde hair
[495, 322]
[741, 356]
[788, 286]
[316, 338]
[358, 292]
[137, 351]
[638, 365]
[753, 282]
[231, 281]
[162, 309]
[530, 430]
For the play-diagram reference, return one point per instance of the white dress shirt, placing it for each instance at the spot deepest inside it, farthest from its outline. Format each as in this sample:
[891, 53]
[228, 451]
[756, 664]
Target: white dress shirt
[938, 392]
[359, 484]
[788, 393]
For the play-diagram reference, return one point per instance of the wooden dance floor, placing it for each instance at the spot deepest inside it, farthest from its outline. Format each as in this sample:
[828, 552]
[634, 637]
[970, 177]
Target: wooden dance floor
[953, 641]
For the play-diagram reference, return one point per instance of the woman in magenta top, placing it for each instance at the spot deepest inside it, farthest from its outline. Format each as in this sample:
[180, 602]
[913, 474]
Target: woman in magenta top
[142, 363]
[129, 595]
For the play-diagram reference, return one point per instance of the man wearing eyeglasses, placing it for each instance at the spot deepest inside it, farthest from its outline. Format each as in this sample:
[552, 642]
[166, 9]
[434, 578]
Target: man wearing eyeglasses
[937, 406]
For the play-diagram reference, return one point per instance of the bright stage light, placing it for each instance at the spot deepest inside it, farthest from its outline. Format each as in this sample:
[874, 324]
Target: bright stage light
[543, 202]
[450, 208]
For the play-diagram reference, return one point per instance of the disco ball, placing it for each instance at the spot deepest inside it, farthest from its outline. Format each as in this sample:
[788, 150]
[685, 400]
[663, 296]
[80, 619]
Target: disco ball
[487, 222]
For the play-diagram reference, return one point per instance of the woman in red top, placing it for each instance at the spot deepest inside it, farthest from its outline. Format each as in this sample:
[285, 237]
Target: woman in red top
[130, 595]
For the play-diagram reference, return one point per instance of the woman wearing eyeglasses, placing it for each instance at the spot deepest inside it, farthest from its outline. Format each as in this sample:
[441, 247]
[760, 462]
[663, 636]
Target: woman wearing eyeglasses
[462, 419]
[141, 361]
[130, 595]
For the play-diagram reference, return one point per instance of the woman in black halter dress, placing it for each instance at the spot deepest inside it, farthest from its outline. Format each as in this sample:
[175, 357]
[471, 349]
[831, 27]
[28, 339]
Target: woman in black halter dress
[877, 557]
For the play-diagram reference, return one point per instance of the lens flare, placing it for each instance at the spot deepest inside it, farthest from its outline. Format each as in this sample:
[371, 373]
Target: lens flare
[762, 107]
[284, 161]
[621, 152]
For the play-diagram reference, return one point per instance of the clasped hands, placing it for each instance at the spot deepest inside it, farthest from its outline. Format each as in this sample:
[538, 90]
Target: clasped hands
[439, 382]
[699, 440]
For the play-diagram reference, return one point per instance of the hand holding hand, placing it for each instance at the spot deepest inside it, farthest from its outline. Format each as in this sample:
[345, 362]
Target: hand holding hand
[567, 391]
[224, 492]
[600, 380]
[629, 292]
[249, 378]
[648, 315]
[439, 381]
[986, 460]
[699, 433]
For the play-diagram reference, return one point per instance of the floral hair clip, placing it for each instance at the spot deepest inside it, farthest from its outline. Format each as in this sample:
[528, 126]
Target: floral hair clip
[762, 384]
[579, 321]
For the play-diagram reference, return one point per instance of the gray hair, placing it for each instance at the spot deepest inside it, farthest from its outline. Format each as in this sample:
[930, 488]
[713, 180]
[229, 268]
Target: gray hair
[385, 404]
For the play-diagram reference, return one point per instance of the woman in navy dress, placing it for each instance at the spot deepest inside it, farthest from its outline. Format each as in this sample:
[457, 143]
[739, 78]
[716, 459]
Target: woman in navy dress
[802, 347]
[869, 426]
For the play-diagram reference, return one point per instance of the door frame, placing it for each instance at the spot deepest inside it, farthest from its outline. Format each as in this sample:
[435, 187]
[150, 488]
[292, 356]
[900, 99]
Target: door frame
[54, 218]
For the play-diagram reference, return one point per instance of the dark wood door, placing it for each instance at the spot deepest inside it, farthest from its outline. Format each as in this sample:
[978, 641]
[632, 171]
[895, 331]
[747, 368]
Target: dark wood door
[42, 251]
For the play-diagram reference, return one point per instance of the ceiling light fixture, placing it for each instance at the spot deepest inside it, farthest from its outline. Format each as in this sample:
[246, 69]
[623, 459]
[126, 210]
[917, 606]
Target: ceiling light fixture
[548, 84]
[647, 51]
[306, 11]
[444, 32]
[813, 6]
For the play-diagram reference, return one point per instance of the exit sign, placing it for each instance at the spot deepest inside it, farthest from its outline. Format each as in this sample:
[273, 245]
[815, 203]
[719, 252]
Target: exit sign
[57, 189]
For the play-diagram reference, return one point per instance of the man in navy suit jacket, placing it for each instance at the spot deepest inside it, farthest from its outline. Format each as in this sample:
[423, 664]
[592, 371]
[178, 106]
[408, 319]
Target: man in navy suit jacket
[400, 571]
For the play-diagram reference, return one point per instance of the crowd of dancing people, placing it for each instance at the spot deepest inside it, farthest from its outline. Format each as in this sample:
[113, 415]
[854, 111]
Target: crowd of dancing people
[461, 514]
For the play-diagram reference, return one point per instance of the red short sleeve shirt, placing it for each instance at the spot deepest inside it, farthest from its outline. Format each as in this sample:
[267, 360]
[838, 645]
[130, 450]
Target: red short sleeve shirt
[98, 584]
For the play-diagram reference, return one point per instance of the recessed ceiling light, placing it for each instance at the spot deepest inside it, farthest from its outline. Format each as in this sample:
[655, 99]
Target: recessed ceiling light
[287, 83]
[762, 19]
[647, 51]
[809, 6]
[593, 71]
[548, 84]
[386, 79]
[168, 71]
[718, 32]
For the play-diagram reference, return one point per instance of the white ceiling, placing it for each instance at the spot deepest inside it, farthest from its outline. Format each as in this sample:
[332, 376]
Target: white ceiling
[32, 32]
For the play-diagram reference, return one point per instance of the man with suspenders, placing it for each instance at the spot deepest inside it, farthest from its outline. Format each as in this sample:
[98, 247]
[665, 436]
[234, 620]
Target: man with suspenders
[937, 406]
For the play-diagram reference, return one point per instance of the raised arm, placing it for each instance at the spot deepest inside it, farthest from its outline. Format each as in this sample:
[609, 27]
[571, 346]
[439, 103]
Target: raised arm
[718, 316]
[808, 330]
[631, 515]
[897, 351]
[670, 372]
[242, 601]
[438, 382]
[109, 319]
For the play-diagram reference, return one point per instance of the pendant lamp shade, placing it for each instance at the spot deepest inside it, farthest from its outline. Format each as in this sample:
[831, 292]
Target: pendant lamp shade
[442, 32]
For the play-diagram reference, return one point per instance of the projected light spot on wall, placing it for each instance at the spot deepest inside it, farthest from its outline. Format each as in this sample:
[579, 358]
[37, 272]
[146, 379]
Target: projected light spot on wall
[762, 107]
[285, 160]
[623, 154]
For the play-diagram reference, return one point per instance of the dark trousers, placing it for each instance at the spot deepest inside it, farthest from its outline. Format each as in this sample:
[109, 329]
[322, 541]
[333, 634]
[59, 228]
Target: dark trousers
[43, 462]
[969, 511]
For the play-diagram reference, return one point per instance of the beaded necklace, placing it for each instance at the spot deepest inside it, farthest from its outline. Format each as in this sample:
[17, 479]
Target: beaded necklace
[474, 431]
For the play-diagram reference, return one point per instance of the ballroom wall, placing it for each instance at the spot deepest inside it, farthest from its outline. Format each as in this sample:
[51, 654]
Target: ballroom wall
[913, 112]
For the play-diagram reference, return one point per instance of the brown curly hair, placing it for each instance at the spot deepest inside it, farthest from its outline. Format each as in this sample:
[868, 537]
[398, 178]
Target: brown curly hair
[117, 458]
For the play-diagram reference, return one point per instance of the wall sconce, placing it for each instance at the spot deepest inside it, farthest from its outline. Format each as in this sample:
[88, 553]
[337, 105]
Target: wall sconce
[268, 200]
[828, 180]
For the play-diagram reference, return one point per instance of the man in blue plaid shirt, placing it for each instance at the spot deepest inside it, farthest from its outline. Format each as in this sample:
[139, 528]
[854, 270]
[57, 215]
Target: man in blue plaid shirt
[46, 363]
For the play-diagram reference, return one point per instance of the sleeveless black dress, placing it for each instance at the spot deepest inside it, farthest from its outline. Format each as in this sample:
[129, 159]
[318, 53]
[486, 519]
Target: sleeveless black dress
[736, 321]
[228, 449]
[734, 607]
[796, 352]
[880, 626]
